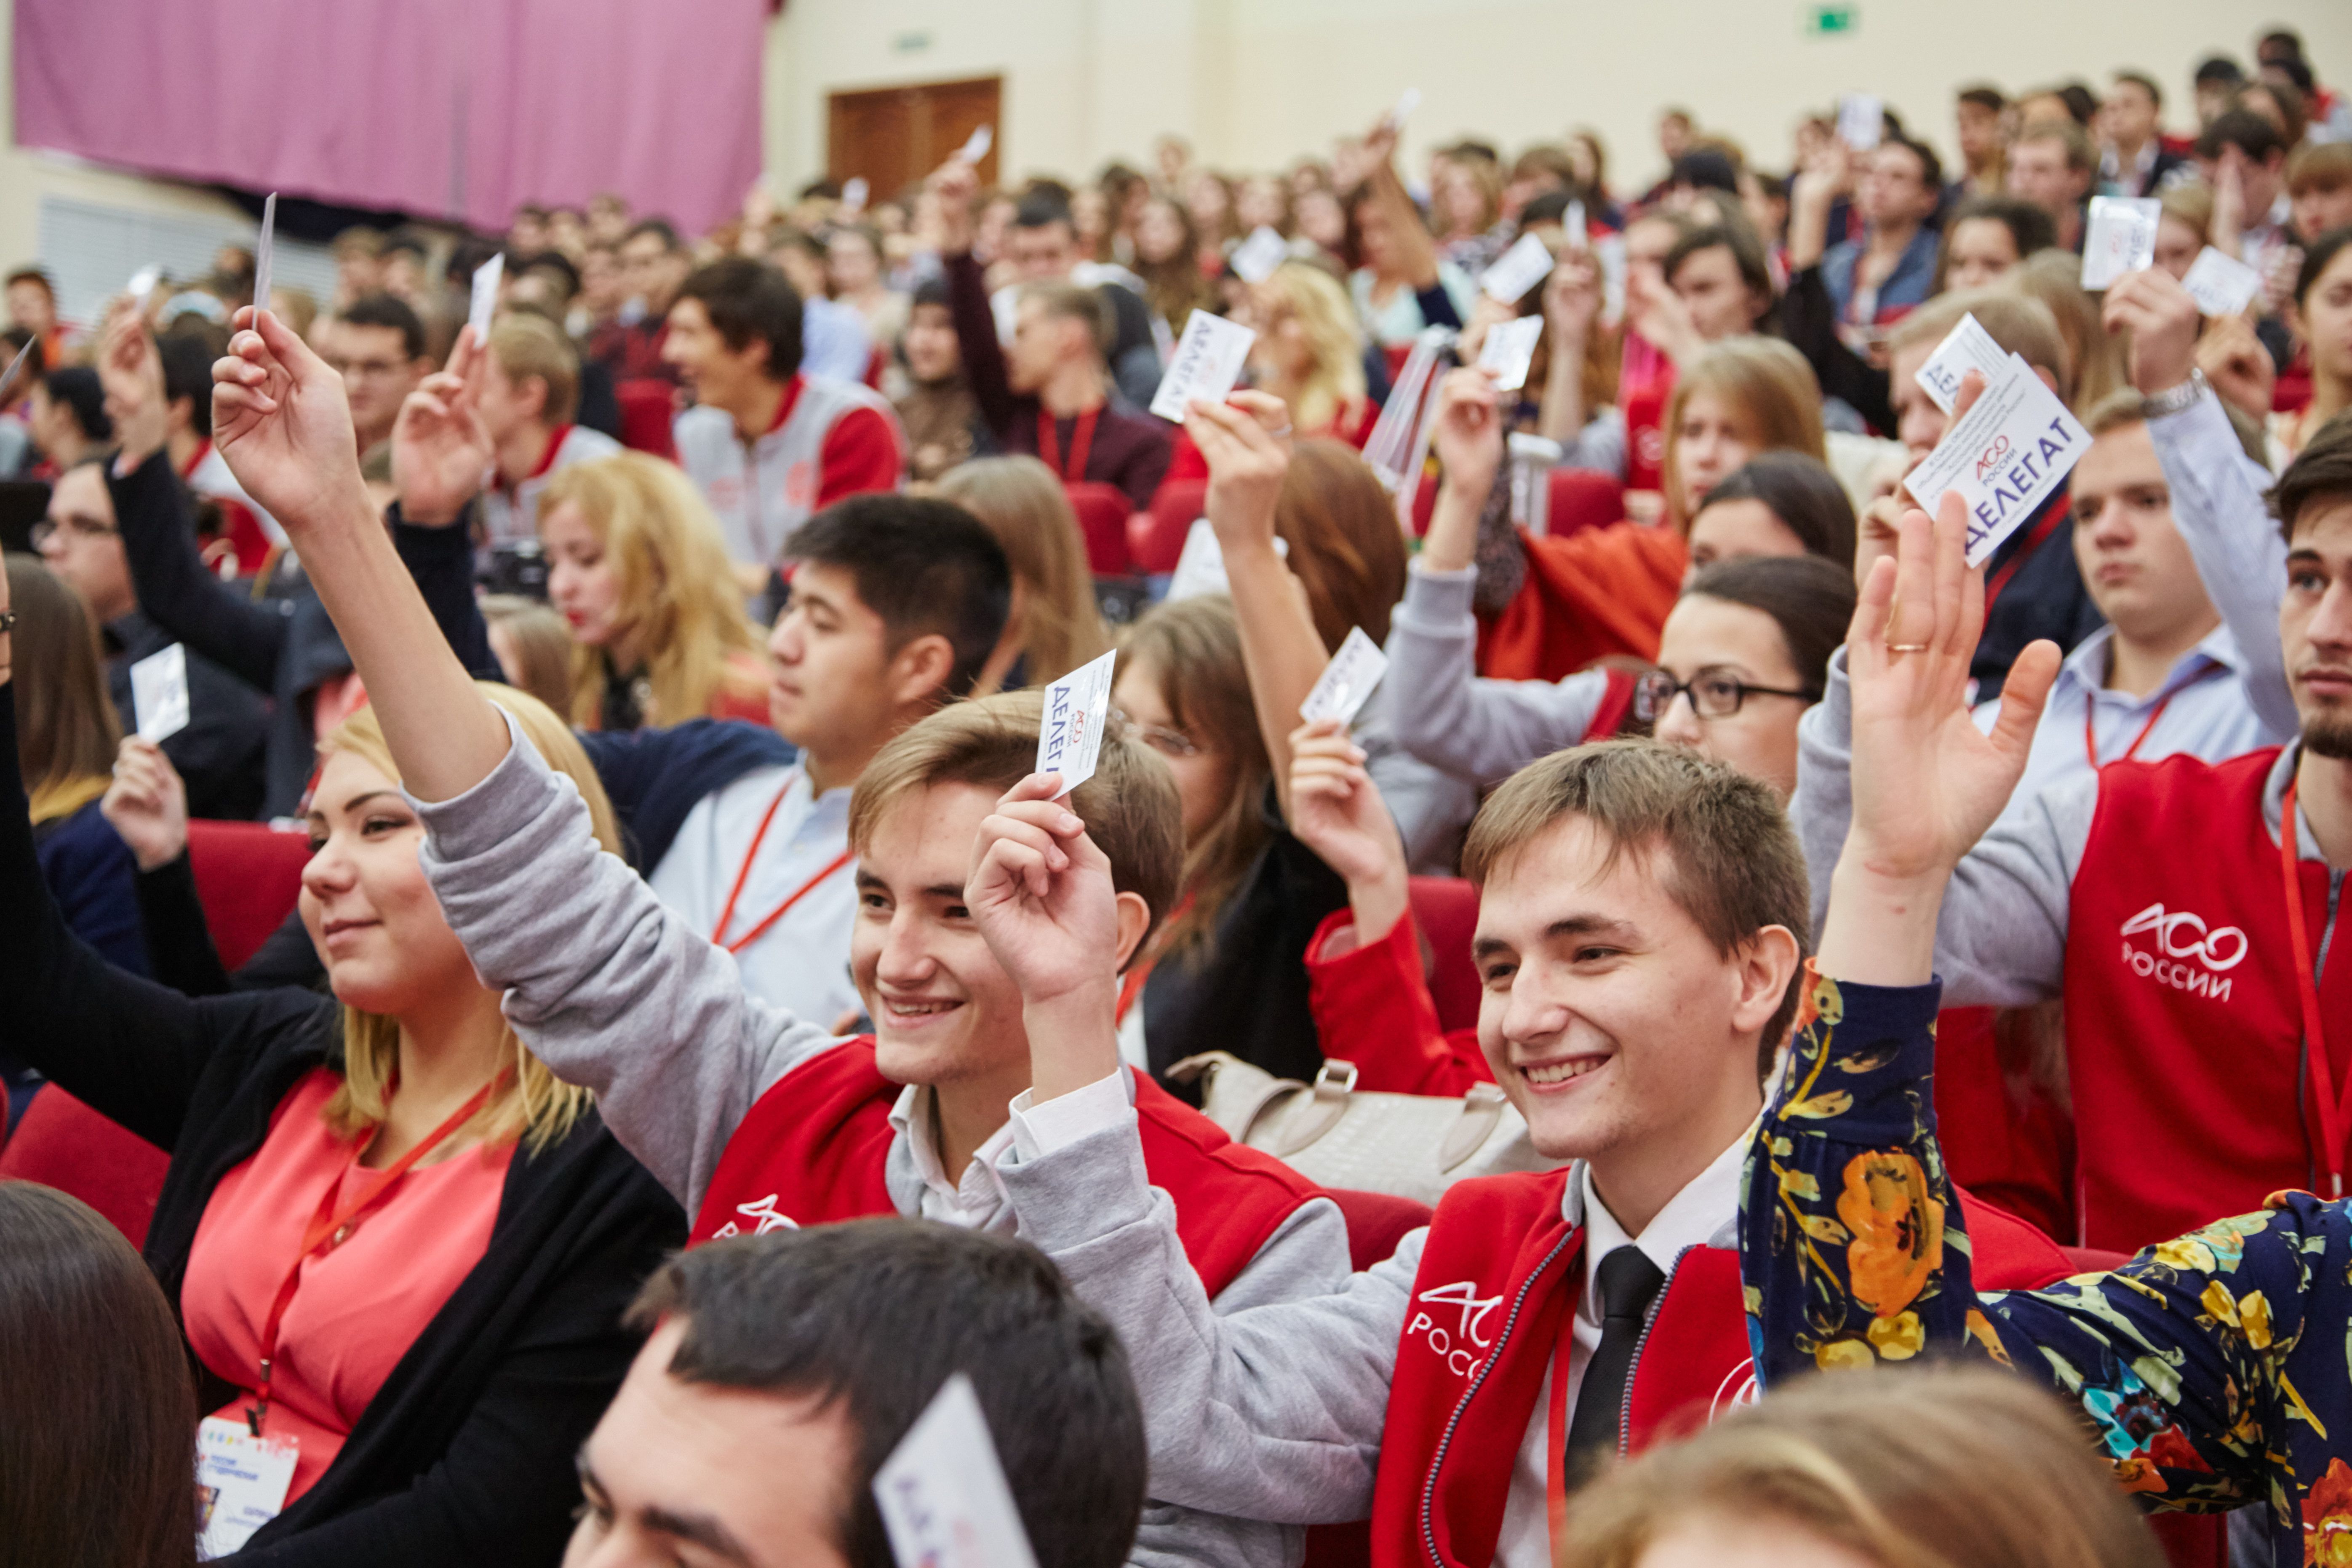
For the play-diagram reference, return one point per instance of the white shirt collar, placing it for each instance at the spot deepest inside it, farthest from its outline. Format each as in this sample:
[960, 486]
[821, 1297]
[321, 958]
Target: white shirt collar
[1692, 1217]
[2085, 669]
[979, 1196]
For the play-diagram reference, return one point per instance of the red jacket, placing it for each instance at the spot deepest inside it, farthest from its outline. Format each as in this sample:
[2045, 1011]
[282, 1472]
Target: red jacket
[812, 1150]
[2184, 1030]
[1498, 1279]
[1373, 1008]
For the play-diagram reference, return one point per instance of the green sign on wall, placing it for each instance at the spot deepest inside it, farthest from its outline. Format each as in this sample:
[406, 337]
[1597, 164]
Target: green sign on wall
[1832, 21]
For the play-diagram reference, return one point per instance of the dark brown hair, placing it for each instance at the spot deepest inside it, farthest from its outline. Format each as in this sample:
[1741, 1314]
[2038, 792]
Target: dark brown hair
[1810, 598]
[66, 726]
[2321, 473]
[98, 1416]
[1345, 546]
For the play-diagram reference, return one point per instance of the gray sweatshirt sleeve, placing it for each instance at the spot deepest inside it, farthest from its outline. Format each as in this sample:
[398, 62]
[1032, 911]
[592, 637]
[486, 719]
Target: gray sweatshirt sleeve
[2002, 938]
[1600, 446]
[2217, 504]
[604, 982]
[1267, 1406]
[1481, 730]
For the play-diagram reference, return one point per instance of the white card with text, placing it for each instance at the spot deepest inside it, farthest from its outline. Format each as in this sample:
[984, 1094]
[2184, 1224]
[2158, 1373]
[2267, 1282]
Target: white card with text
[2221, 284]
[853, 195]
[1255, 259]
[2120, 238]
[1347, 682]
[485, 304]
[942, 1492]
[142, 284]
[1861, 120]
[1209, 360]
[1517, 269]
[977, 147]
[159, 692]
[1965, 348]
[1574, 223]
[2006, 457]
[1509, 348]
[1077, 707]
[241, 1483]
[261, 255]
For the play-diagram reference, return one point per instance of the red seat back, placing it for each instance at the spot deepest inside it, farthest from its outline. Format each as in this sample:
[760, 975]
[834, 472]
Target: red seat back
[647, 406]
[1102, 520]
[1582, 499]
[1173, 512]
[65, 1144]
[1446, 908]
[1376, 1222]
[247, 876]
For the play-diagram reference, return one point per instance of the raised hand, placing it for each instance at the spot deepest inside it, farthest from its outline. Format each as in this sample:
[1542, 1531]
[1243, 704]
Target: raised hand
[1246, 443]
[282, 423]
[1572, 296]
[952, 186]
[440, 450]
[131, 374]
[1657, 313]
[2163, 322]
[2241, 369]
[147, 802]
[1467, 435]
[1337, 811]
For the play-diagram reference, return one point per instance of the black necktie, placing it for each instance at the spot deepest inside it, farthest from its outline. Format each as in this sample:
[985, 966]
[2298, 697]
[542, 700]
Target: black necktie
[1626, 1282]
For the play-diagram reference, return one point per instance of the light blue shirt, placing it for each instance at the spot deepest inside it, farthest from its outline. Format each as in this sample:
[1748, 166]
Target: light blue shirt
[834, 340]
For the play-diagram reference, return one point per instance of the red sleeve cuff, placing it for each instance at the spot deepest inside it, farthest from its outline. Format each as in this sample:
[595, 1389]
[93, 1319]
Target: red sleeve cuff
[863, 453]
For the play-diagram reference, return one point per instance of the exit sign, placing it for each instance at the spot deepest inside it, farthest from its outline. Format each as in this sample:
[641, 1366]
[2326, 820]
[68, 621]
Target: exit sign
[1830, 21]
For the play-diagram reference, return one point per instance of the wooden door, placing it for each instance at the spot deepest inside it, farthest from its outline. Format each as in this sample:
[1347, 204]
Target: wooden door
[893, 136]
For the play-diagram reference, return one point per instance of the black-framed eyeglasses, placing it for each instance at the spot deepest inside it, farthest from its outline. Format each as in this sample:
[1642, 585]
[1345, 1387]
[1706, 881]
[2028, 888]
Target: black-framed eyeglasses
[1714, 694]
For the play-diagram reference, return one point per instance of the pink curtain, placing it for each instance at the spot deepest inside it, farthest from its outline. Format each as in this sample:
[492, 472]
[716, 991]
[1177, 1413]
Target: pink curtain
[457, 109]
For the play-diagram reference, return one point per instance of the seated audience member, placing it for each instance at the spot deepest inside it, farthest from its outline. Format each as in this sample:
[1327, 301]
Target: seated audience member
[68, 417]
[1898, 1467]
[940, 416]
[637, 568]
[527, 389]
[653, 264]
[1309, 351]
[1984, 238]
[96, 1420]
[1055, 624]
[188, 352]
[1874, 280]
[32, 303]
[2243, 149]
[285, 647]
[1640, 970]
[1167, 259]
[1047, 395]
[854, 274]
[2133, 159]
[2323, 303]
[220, 747]
[2051, 165]
[1714, 284]
[834, 344]
[534, 647]
[471, 1308]
[1042, 245]
[2182, 1135]
[754, 1119]
[2210, 1368]
[2319, 189]
[377, 343]
[780, 1370]
[1398, 281]
[768, 445]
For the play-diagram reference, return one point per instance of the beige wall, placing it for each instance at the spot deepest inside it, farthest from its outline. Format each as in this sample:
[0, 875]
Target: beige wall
[1255, 83]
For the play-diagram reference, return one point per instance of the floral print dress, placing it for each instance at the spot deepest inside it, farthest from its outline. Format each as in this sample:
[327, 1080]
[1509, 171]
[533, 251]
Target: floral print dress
[2216, 1368]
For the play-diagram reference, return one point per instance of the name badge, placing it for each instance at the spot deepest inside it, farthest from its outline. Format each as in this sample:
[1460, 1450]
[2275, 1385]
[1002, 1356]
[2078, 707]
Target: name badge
[241, 1483]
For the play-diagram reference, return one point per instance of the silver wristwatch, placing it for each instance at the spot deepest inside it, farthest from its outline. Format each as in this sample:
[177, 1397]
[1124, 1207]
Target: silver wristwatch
[2173, 399]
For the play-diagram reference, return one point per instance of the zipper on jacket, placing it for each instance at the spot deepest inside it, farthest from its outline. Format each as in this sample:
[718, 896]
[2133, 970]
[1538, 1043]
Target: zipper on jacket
[1477, 1380]
[1633, 1367]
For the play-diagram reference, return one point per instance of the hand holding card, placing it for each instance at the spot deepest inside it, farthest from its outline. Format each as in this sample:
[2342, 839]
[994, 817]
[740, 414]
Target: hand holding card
[1077, 706]
[1965, 348]
[484, 302]
[1347, 682]
[1510, 349]
[1209, 359]
[2007, 456]
[263, 250]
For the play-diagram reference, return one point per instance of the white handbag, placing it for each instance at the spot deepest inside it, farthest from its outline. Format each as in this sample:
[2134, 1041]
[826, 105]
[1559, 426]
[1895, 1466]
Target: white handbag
[1413, 1145]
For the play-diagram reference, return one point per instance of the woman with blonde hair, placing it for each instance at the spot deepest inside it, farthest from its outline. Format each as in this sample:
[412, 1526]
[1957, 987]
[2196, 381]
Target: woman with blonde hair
[1309, 351]
[1055, 625]
[2094, 355]
[635, 563]
[1939, 1468]
[397, 1247]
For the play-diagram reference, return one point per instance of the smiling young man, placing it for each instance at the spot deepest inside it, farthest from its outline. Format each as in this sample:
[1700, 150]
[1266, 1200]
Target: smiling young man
[1641, 924]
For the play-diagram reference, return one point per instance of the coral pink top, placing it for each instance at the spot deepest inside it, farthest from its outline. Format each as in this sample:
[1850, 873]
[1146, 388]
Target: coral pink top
[361, 1304]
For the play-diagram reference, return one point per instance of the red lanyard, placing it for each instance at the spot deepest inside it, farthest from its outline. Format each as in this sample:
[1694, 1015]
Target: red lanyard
[2033, 542]
[2091, 709]
[2334, 1112]
[1082, 441]
[333, 1221]
[727, 915]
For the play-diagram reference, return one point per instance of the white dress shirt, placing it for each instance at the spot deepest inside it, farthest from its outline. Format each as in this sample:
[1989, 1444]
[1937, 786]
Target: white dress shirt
[977, 1200]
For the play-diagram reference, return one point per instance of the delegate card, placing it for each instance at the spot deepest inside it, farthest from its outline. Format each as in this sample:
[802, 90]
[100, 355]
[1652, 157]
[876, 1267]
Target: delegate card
[1209, 360]
[1347, 682]
[1861, 120]
[1407, 102]
[2006, 457]
[2221, 285]
[1077, 707]
[942, 1492]
[977, 147]
[853, 195]
[1517, 269]
[1509, 348]
[2120, 238]
[1965, 348]
[1255, 259]
[1577, 234]
[261, 250]
[159, 692]
[486, 297]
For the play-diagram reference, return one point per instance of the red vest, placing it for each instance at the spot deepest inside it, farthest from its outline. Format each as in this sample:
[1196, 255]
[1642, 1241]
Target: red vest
[2184, 1035]
[812, 1151]
[1500, 1271]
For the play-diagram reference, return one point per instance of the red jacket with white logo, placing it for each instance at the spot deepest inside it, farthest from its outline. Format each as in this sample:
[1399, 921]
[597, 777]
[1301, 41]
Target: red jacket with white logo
[813, 1150]
[2184, 1031]
[1500, 1271]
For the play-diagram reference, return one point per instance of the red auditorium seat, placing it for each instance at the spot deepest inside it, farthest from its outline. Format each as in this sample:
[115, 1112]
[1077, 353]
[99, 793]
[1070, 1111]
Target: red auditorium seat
[1159, 535]
[1582, 499]
[1102, 520]
[65, 1144]
[647, 405]
[247, 875]
[1447, 910]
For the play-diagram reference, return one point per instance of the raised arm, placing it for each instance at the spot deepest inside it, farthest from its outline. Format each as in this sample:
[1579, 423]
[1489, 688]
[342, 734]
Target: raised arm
[953, 185]
[1571, 301]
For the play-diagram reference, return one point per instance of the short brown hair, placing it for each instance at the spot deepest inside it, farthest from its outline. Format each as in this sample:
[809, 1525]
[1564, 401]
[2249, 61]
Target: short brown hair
[1726, 852]
[1130, 806]
[2320, 474]
[2079, 158]
[1346, 549]
[2319, 167]
[527, 347]
[1069, 302]
[2018, 322]
[1929, 1466]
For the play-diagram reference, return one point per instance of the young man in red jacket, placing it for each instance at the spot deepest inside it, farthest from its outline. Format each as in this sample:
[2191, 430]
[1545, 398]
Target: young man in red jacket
[1639, 933]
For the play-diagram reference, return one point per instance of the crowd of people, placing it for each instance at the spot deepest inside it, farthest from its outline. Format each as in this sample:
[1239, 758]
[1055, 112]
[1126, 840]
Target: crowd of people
[701, 1031]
